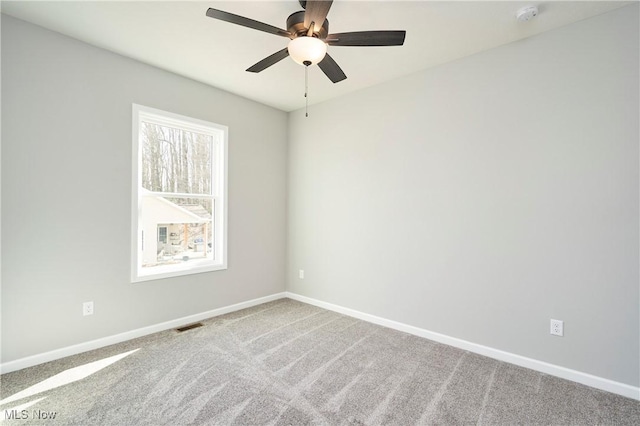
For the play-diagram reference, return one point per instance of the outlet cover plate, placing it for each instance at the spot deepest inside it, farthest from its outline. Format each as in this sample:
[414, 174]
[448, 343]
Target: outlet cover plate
[87, 308]
[557, 328]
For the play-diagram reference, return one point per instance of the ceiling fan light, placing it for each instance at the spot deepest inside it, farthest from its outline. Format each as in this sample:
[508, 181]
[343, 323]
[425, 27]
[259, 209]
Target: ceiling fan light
[303, 49]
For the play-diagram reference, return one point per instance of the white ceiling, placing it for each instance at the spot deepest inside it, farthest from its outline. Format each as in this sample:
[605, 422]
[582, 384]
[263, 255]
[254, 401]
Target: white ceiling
[179, 37]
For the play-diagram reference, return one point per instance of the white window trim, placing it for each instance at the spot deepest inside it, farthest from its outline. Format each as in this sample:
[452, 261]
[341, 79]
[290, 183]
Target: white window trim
[220, 179]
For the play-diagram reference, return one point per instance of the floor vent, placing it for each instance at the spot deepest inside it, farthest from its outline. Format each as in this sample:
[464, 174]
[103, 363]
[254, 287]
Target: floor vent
[189, 327]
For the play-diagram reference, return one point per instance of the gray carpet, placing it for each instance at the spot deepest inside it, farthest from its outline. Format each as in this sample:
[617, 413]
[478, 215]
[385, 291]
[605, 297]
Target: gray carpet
[289, 363]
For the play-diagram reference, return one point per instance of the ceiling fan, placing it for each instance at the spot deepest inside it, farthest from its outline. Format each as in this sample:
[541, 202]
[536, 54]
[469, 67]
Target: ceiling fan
[308, 31]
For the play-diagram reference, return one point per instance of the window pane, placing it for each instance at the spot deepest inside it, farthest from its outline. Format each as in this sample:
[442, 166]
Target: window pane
[184, 231]
[175, 160]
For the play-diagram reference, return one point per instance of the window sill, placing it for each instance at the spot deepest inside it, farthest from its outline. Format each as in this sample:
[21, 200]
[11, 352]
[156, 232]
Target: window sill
[174, 271]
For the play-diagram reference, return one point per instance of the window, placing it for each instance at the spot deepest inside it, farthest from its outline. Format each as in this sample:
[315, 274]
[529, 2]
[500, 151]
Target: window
[179, 195]
[162, 235]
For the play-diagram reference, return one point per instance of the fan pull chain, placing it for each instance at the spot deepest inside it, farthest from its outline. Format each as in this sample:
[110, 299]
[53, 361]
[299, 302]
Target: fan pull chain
[306, 91]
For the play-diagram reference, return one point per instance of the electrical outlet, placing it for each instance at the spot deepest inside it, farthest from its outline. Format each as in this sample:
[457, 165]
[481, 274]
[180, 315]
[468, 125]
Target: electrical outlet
[301, 274]
[557, 327]
[87, 308]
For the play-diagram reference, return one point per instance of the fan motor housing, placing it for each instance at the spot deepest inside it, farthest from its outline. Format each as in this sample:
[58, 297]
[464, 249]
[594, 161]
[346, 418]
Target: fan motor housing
[295, 25]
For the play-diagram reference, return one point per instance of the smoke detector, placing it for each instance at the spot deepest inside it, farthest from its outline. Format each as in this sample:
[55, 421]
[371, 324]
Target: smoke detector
[527, 13]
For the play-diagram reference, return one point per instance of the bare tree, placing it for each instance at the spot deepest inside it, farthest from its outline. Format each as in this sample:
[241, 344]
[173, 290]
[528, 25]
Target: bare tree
[176, 161]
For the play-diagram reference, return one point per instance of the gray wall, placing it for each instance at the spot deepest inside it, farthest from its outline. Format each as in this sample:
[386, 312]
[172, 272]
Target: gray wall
[66, 193]
[481, 198]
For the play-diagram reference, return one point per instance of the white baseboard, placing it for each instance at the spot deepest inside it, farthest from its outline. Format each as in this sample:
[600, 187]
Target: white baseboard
[30, 361]
[533, 364]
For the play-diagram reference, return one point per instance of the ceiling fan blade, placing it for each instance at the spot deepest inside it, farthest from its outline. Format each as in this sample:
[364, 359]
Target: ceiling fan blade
[331, 69]
[316, 12]
[246, 22]
[367, 38]
[269, 60]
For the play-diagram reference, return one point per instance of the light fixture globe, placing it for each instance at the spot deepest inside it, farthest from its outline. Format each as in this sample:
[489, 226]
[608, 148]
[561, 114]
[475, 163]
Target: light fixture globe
[307, 50]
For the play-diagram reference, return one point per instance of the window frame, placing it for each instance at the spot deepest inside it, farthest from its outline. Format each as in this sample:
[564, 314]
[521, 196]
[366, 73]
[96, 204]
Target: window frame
[219, 190]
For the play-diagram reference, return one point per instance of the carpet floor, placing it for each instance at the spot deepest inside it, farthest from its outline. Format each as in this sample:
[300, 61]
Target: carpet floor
[289, 363]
